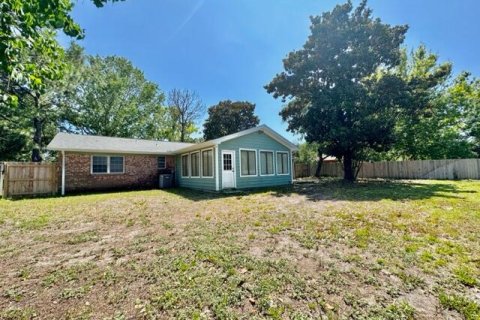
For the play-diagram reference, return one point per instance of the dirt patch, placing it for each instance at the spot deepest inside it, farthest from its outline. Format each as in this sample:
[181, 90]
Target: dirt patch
[311, 251]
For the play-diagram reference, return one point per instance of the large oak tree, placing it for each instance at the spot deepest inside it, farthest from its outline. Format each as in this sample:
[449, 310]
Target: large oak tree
[338, 87]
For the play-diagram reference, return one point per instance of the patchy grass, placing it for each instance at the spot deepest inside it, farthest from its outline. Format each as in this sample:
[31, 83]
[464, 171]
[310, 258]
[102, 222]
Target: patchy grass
[319, 249]
[467, 307]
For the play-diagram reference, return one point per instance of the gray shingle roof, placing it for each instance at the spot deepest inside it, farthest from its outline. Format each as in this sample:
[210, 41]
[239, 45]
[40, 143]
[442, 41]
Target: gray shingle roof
[100, 144]
[86, 143]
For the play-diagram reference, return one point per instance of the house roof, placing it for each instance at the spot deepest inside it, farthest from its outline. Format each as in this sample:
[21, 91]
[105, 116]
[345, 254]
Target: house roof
[99, 144]
[262, 128]
[86, 143]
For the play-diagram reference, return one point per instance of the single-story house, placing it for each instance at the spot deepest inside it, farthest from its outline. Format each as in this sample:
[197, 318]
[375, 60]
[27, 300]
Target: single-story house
[256, 157]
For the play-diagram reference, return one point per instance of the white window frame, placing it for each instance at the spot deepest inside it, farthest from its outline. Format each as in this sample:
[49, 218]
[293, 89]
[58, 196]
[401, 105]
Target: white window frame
[108, 164]
[260, 161]
[188, 165]
[213, 163]
[256, 163]
[191, 165]
[165, 163]
[288, 165]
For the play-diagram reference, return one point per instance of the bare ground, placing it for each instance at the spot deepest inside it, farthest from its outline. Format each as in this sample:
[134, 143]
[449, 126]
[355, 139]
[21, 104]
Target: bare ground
[320, 249]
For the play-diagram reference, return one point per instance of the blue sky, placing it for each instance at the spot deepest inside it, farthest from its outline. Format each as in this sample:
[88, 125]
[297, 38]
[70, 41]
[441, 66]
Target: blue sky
[229, 49]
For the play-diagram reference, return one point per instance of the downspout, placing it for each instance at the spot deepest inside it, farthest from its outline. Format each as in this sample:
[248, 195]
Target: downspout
[217, 178]
[292, 166]
[63, 173]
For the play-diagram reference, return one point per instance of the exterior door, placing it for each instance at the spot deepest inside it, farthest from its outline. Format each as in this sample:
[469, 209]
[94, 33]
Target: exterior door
[228, 169]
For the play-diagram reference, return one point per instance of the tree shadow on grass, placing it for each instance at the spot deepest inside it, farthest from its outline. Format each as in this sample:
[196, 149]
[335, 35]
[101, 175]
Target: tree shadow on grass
[323, 189]
[336, 189]
[374, 190]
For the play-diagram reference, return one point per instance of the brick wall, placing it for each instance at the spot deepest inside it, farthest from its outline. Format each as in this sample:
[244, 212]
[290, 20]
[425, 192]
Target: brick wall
[141, 172]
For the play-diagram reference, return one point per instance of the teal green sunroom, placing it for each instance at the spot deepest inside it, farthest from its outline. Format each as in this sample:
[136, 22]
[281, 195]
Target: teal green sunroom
[257, 157]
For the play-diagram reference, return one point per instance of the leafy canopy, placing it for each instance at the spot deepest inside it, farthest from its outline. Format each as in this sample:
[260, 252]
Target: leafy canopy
[27, 27]
[228, 117]
[110, 97]
[337, 86]
[436, 130]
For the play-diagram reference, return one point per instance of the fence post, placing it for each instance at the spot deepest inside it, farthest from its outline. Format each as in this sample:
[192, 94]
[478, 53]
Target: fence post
[5, 181]
[63, 173]
[1, 178]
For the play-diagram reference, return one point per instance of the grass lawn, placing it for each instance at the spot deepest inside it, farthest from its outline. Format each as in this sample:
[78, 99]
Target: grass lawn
[320, 249]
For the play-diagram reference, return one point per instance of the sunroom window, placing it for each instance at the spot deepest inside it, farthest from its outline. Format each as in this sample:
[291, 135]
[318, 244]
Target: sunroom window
[207, 163]
[282, 162]
[195, 158]
[266, 163]
[249, 163]
[185, 166]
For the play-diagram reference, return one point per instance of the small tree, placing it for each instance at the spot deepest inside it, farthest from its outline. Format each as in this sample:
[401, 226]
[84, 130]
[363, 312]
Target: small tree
[338, 86]
[185, 108]
[228, 117]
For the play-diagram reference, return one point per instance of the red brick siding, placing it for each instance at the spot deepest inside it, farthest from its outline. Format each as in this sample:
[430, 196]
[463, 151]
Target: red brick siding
[141, 172]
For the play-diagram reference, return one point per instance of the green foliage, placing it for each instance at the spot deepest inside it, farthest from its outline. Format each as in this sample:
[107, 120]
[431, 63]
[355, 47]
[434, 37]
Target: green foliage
[12, 141]
[307, 152]
[395, 311]
[29, 26]
[466, 276]
[437, 130]
[337, 95]
[465, 93]
[32, 68]
[468, 308]
[109, 96]
[228, 117]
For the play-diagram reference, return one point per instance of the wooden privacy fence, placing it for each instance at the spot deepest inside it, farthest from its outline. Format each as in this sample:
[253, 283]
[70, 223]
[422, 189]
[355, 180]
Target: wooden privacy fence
[412, 169]
[27, 179]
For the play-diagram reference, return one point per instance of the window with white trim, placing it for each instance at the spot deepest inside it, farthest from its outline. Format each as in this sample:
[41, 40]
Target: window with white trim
[99, 164]
[282, 162]
[248, 162]
[207, 163]
[116, 164]
[107, 164]
[195, 161]
[162, 162]
[185, 165]
[266, 163]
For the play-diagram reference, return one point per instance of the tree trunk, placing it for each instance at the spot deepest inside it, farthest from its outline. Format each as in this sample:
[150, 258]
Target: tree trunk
[37, 134]
[182, 133]
[348, 171]
[319, 164]
[37, 140]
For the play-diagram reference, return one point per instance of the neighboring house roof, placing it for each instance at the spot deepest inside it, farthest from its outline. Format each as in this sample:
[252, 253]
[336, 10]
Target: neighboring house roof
[100, 144]
[96, 144]
[262, 128]
[330, 159]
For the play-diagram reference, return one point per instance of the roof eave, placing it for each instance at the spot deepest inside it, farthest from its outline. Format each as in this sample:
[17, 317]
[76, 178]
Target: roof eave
[199, 146]
[168, 153]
